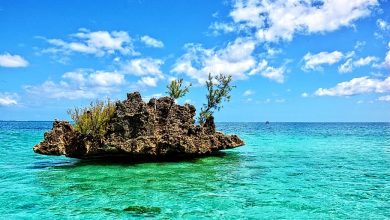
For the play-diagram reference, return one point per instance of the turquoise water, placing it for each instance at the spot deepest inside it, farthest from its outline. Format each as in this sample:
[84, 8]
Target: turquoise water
[285, 170]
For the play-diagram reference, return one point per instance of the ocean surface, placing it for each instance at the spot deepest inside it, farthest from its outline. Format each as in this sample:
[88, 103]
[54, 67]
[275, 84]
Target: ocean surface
[285, 171]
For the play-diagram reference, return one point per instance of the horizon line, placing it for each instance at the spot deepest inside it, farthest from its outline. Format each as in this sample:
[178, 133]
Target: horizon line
[231, 121]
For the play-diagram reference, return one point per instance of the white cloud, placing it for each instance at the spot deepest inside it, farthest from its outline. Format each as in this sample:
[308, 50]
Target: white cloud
[357, 86]
[272, 51]
[219, 27]
[383, 25]
[8, 99]
[314, 61]
[305, 94]
[261, 65]
[106, 79]
[12, 61]
[385, 98]
[144, 67]
[152, 42]
[235, 59]
[349, 65]
[365, 61]
[248, 92]
[148, 81]
[346, 67]
[276, 74]
[95, 78]
[77, 77]
[98, 43]
[280, 19]
[82, 83]
[248, 13]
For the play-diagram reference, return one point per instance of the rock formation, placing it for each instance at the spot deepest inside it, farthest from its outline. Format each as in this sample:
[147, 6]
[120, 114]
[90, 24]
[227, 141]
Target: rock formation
[153, 130]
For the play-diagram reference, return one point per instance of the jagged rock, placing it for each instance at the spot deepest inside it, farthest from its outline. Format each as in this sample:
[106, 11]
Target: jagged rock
[153, 130]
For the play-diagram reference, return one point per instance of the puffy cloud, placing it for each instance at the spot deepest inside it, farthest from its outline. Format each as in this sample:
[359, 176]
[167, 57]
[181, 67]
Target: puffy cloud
[272, 73]
[248, 13]
[235, 59]
[248, 92]
[280, 19]
[8, 99]
[152, 42]
[148, 81]
[106, 79]
[98, 43]
[77, 77]
[12, 61]
[357, 86]
[305, 94]
[143, 67]
[314, 61]
[79, 84]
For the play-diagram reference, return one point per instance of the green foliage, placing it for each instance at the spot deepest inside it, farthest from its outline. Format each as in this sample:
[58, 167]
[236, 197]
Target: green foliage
[219, 89]
[93, 120]
[175, 89]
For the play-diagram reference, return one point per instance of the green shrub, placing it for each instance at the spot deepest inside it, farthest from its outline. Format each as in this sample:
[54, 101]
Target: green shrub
[93, 120]
[175, 89]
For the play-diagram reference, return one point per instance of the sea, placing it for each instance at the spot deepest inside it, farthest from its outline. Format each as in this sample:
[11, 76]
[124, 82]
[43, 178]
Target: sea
[284, 171]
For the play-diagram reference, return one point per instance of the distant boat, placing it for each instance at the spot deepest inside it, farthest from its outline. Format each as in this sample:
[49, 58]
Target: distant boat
[267, 122]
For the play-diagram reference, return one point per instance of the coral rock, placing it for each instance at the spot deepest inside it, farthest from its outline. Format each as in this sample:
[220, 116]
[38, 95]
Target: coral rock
[153, 130]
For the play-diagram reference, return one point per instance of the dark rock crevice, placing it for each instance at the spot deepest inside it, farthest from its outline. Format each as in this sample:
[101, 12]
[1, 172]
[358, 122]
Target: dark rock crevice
[157, 129]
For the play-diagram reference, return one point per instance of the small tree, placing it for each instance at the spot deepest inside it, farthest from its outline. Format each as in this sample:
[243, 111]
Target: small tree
[175, 89]
[219, 89]
[93, 120]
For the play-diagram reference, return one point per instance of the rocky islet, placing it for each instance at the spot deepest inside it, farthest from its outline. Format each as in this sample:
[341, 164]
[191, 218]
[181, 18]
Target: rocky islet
[156, 129]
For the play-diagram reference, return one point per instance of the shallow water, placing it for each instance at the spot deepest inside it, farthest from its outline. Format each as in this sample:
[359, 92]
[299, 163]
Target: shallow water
[285, 170]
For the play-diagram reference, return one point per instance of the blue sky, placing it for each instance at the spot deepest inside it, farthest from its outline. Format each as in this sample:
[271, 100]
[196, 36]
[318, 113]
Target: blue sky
[307, 60]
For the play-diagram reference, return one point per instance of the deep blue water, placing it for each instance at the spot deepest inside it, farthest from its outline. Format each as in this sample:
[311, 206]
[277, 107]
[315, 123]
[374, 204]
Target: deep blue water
[285, 171]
